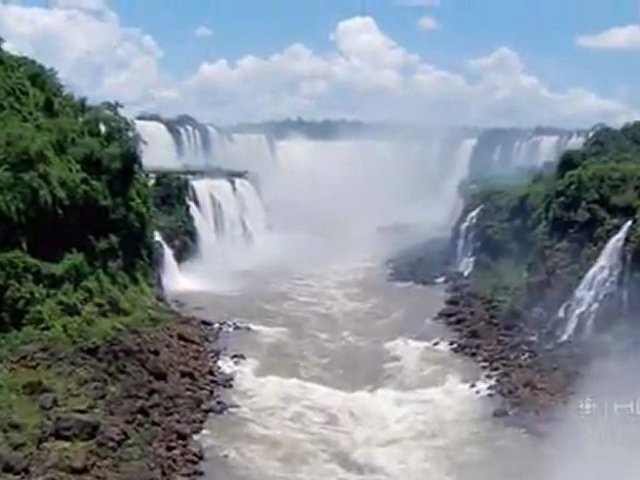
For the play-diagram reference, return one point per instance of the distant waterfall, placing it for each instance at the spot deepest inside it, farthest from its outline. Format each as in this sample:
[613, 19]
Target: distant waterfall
[465, 257]
[599, 282]
[505, 152]
[175, 145]
[170, 271]
[158, 147]
[459, 173]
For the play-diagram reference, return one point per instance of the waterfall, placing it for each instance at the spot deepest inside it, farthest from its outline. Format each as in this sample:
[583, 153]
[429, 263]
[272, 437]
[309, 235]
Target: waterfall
[201, 146]
[465, 258]
[171, 276]
[599, 282]
[254, 215]
[458, 174]
[158, 148]
[226, 211]
[508, 152]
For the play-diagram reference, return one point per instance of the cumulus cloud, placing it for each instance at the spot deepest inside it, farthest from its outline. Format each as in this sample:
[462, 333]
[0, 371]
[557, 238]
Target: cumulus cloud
[202, 32]
[616, 38]
[365, 74]
[427, 23]
[368, 74]
[85, 41]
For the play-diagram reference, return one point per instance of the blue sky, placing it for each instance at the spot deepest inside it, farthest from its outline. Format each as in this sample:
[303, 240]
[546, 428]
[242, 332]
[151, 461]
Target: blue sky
[242, 65]
[542, 31]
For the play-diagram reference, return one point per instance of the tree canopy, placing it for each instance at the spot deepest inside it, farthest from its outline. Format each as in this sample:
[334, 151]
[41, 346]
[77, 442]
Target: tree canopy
[75, 215]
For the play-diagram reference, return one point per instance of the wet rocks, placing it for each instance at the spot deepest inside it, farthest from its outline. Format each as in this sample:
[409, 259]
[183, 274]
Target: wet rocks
[526, 377]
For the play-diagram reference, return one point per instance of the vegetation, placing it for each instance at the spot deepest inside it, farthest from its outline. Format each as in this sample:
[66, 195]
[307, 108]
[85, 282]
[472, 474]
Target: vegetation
[534, 241]
[75, 216]
[172, 216]
[76, 246]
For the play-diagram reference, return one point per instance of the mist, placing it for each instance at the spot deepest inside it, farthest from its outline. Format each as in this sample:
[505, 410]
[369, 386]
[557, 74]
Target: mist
[597, 434]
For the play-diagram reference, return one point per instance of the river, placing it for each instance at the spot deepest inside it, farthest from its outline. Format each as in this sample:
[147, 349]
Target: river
[345, 379]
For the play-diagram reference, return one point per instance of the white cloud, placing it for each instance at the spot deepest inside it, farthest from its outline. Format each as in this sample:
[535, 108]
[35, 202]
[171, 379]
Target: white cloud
[202, 32]
[616, 38]
[427, 23]
[365, 74]
[92, 51]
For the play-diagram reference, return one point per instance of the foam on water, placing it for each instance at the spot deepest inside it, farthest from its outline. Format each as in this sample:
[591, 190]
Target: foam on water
[324, 432]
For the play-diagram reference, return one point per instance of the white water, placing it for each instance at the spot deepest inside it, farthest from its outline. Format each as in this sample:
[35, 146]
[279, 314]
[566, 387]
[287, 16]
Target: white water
[237, 151]
[459, 172]
[172, 278]
[343, 378]
[465, 258]
[533, 151]
[600, 281]
[343, 382]
[228, 211]
[253, 213]
[158, 148]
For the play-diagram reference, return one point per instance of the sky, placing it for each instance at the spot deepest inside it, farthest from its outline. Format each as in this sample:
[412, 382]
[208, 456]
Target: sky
[571, 63]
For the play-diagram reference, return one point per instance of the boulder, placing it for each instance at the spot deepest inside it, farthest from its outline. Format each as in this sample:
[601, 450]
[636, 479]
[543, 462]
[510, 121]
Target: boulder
[13, 463]
[75, 428]
[47, 401]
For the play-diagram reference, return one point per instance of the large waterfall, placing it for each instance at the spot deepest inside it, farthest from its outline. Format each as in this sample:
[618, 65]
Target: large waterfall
[465, 258]
[334, 191]
[599, 282]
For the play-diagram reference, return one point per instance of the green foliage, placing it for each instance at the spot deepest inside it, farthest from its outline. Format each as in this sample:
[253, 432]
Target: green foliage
[534, 241]
[171, 213]
[75, 216]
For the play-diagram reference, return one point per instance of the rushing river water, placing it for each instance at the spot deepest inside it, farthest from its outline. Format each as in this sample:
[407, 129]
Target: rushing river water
[344, 379]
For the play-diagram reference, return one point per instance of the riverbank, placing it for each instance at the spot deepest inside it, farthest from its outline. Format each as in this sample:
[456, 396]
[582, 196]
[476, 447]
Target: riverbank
[528, 377]
[126, 409]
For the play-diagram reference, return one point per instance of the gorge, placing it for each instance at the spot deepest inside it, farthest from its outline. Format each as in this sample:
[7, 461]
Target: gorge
[272, 244]
[343, 364]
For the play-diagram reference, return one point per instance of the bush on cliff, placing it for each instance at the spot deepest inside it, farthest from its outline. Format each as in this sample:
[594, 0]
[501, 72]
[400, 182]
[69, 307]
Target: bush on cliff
[75, 216]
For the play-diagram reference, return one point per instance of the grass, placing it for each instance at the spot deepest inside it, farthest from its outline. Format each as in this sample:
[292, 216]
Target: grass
[31, 356]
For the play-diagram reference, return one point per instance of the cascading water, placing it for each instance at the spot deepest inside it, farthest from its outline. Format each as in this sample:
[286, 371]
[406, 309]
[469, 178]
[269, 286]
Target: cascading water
[465, 258]
[599, 282]
[253, 213]
[172, 278]
[158, 147]
[203, 147]
[228, 216]
[505, 152]
[462, 162]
